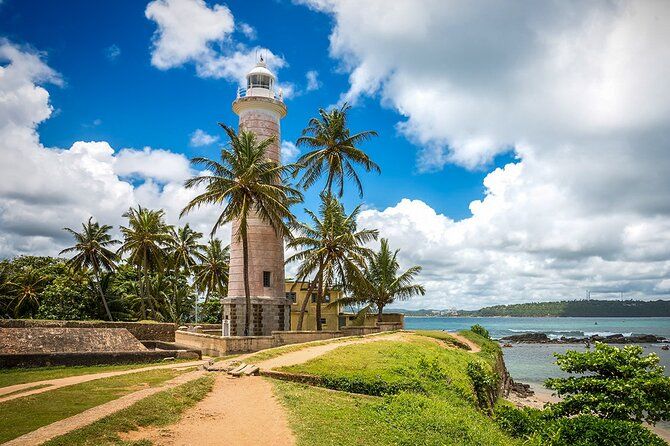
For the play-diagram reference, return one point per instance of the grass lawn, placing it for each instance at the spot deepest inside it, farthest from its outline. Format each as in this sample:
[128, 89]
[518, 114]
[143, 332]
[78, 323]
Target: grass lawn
[429, 397]
[23, 415]
[442, 336]
[10, 377]
[161, 409]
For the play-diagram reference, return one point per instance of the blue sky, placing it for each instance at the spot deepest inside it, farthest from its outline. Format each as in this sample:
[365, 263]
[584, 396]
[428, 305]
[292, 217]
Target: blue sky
[138, 105]
[524, 147]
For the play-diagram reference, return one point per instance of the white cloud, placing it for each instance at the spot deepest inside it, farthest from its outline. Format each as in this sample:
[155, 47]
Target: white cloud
[189, 31]
[313, 82]
[44, 189]
[248, 30]
[201, 138]
[289, 152]
[579, 92]
[160, 165]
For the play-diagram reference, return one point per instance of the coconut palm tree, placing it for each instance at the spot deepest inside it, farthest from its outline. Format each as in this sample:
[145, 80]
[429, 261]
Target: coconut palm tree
[92, 252]
[335, 151]
[145, 241]
[211, 275]
[382, 283]
[184, 251]
[251, 185]
[331, 249]
[25, 289]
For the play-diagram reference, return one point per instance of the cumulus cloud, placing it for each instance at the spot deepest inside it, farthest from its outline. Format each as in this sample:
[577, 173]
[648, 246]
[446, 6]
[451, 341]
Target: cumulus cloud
[313, 82]
[289, 152]
[189, 31]
[43, 189]
[578, 91]
[248, 30]
[201, 138]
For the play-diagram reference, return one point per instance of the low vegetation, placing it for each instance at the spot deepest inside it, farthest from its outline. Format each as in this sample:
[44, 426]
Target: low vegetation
[612, 391]
[23, 415]
[580, 308]
[403, 393]
[11, 377]
[161, 409]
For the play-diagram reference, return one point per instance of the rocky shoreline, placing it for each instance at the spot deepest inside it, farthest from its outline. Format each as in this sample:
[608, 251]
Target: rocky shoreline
[541, 338]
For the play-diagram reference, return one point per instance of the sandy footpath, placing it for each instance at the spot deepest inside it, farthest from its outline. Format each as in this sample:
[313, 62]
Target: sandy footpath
[94, 414]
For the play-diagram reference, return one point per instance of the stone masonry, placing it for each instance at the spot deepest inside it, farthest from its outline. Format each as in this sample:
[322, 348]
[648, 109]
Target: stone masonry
[270, 308]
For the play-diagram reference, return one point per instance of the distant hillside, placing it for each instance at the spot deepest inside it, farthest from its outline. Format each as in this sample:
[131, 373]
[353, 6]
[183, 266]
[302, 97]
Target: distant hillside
[581, 308]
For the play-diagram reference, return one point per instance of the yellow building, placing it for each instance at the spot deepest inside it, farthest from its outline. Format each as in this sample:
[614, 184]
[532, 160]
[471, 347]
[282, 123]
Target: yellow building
[332, 317]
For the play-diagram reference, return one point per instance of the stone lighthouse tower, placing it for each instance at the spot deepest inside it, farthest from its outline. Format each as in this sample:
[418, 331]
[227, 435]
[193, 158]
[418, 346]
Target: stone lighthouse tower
[260, 108]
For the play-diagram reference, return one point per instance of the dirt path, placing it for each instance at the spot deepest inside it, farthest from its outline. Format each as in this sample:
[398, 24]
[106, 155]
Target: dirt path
[78, 379]
[94, 414]
[242, 411]
[238, 412]
[304, 355]
[474, 348]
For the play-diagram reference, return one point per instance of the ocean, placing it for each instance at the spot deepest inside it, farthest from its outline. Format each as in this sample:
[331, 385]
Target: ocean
[533, 363]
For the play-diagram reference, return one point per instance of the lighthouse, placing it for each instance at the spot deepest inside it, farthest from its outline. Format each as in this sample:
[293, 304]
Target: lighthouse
[260, 108]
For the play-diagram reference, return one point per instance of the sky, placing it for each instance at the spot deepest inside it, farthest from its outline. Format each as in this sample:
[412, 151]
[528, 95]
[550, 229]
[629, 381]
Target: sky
[524, 147]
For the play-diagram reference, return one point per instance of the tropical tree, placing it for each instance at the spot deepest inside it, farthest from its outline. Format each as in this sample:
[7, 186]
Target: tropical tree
[146, 239]
[252, 186]
[335, 151]
[211, 275]
[25, 289]
[331, 249]
[92, 252]
[381, 283]
[184, 251]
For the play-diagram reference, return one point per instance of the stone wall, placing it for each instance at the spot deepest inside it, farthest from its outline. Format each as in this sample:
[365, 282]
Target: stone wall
[221, 346]
[67, 340]
[143, 331]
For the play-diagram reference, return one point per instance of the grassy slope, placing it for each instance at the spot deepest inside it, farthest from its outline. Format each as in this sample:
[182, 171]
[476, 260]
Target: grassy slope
[161, 409]
[10, 377]
[443, 414]
[23, 415]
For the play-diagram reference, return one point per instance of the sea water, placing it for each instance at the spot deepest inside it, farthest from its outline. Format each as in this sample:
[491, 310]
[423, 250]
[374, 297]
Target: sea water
[533, 363]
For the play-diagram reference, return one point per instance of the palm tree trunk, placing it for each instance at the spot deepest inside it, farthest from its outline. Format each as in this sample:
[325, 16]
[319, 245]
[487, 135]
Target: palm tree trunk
[319, 299]
[247, 292]
[102, 295]
[303, 307]
[379, 313]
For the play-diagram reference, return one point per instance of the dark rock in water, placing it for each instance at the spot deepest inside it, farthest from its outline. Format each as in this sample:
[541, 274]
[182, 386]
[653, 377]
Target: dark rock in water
[528, 337]
[541, 338]
[522, 390]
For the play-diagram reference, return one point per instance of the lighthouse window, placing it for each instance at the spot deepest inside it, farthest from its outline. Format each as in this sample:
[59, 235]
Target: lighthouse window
[258, 80]
[266, 279]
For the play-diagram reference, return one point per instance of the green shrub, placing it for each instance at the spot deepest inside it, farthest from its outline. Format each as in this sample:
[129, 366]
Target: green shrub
[589, 430]
[367, 386]
[519, 423]
[485, 384]
[481, 331]
[613, 383]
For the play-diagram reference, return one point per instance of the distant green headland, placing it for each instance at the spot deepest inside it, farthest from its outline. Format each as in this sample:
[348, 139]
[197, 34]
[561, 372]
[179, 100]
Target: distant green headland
[566, 308]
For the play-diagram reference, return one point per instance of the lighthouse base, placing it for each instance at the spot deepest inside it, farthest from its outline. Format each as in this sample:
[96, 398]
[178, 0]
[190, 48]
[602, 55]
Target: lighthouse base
[268, 314]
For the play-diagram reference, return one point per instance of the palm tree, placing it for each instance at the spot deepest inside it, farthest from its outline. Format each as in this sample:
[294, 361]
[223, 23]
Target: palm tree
[25, 289]
[332, 250]
[184, 251]
[92, 251]
[251, 185]
[382, 284]
[145, 241]
[211, 275]
[335, 151]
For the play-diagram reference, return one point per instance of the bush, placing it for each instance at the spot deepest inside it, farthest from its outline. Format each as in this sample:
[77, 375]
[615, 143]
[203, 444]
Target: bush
[481, 331]
[519, 423]
[589, 430]
[485, 384]
[613, 383]
[374, 387]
